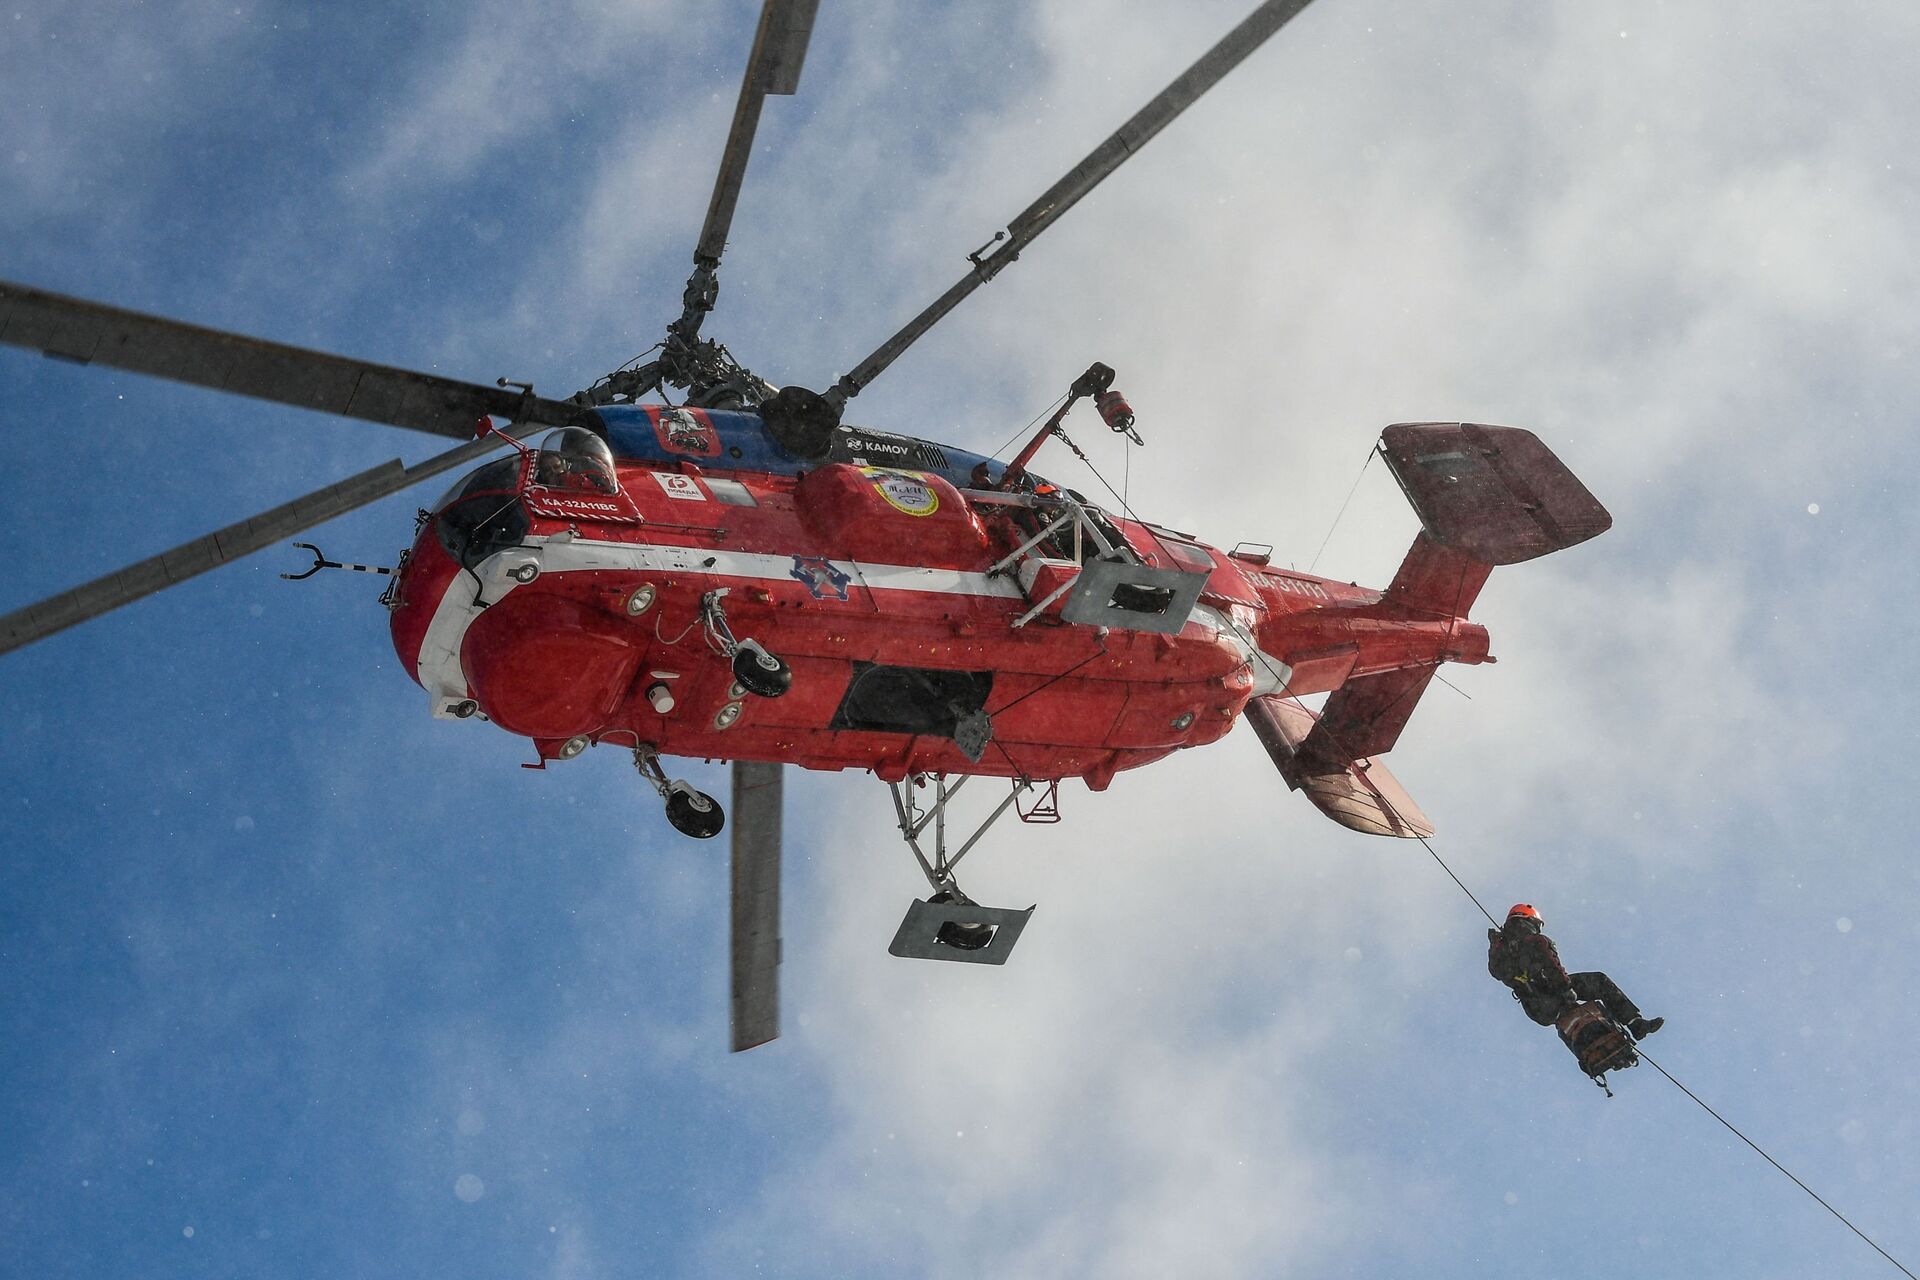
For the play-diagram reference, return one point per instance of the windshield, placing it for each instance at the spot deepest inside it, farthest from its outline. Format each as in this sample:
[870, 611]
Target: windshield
[482, 513]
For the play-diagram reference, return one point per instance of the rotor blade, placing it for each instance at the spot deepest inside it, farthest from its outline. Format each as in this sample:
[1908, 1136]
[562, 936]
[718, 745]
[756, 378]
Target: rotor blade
[57, 613]
[779, 48]
[90, 333]
[1084, 177]
[755, 1003]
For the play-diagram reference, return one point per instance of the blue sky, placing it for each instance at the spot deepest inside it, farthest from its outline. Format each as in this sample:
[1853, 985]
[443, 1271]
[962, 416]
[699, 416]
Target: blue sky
[291, 966]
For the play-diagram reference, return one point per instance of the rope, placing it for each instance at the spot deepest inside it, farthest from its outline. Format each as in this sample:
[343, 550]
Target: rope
[1643, 1056]
[1690, 1093]
[1117, 495]
[1053, 680]
[1343, 508]
[1776, 1164]
[1444, 867]
[1471, 896]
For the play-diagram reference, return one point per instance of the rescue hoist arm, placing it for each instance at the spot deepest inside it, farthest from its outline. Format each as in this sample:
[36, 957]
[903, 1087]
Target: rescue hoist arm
[1096, 382]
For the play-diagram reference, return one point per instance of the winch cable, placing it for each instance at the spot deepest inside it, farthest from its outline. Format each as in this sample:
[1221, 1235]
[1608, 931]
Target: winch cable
[1117, 495]
[1775, 1163]
[1424, 843]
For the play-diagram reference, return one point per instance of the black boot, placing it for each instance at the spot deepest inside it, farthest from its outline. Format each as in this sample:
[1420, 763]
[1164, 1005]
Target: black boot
[1644, 1027]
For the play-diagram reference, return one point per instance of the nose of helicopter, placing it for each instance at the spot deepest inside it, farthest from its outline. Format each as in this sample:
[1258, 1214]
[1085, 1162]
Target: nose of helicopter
[421, 583]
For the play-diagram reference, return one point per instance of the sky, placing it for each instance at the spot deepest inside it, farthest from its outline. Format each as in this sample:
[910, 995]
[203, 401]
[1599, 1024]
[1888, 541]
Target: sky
[301, 982]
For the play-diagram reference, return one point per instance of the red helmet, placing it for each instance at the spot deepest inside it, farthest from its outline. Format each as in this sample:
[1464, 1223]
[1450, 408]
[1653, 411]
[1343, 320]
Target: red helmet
[1522, 909]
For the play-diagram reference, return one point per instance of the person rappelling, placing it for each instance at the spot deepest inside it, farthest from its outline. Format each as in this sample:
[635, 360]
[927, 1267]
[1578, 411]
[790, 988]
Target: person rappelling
[1578, 1004]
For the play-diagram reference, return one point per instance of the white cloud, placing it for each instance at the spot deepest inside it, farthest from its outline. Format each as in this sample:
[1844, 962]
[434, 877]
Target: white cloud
[511, 69]
[1305, 256]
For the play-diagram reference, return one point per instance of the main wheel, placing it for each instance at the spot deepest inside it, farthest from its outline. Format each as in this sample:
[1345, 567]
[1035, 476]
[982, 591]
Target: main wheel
[696, 814]
[965, 937]
[761, 673]
[961, 937]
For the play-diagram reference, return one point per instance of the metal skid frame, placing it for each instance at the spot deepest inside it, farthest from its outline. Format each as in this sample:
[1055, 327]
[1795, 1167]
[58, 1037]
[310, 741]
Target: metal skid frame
[947, 912]
[1090, 593]
[1083, 528]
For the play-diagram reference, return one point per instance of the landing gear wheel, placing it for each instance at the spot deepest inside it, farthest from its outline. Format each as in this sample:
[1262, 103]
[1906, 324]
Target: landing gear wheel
[965, 937]
[761, 673]
[961, 937]
[696, 814]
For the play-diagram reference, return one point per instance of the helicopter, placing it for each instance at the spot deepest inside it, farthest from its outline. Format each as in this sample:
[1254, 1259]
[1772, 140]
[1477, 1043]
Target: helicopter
[738, 574]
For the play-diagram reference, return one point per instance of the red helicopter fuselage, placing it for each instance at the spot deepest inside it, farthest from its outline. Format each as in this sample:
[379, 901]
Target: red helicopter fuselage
[573, 616]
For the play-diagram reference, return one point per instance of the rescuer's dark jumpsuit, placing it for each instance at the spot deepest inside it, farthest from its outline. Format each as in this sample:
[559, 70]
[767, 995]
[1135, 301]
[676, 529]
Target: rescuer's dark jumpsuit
[1524, 958]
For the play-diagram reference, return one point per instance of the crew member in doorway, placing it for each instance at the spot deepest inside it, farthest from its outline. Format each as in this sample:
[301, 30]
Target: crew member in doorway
[1524, 958]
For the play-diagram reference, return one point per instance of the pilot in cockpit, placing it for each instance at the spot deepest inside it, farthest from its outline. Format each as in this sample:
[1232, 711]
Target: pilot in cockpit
[575, 459]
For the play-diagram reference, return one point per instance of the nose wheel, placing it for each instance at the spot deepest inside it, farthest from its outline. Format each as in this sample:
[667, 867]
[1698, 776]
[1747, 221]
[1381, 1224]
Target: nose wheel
[759, 671]
[689, 811]
[695, 813]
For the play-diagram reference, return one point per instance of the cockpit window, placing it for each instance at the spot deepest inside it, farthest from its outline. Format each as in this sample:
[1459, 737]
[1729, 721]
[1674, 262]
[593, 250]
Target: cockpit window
[575, 460]
[502, 475]
[482, 514]
[473, 528]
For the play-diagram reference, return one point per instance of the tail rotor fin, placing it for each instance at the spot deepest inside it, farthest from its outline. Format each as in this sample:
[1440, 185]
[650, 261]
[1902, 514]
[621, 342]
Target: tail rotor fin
[1361, 795]
[1437, 580]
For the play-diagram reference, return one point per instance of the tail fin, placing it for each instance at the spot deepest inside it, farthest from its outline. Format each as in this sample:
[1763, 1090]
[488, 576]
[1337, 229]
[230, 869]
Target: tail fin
[1485, 496]
[1364, 717]
[1436, 579]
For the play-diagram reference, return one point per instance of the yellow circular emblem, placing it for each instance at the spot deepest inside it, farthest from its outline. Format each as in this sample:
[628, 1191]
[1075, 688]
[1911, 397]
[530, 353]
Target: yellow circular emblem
[905, 491]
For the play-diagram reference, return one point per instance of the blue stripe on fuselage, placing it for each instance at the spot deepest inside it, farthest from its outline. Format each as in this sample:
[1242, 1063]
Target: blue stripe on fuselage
[746, 446]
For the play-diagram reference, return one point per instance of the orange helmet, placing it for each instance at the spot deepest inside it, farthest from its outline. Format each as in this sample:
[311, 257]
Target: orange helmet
[1522, 909]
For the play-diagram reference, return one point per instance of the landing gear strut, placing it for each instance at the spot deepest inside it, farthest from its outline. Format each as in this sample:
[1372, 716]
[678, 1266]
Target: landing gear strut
[692, 813]
[758, 671]
[948, 925]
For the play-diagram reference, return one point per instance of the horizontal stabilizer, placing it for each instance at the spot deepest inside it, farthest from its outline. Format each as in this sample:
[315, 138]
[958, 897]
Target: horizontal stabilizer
[1494, 493]
[1362, 795]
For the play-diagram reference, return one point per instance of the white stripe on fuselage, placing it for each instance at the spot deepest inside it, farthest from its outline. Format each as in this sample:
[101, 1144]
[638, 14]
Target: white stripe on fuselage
[439, 668]
[580, 554]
